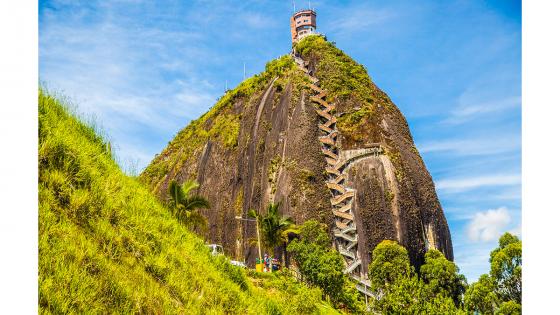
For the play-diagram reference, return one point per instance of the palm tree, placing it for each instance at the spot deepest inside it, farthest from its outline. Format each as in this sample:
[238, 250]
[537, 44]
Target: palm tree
[274, 228]
[185, 207]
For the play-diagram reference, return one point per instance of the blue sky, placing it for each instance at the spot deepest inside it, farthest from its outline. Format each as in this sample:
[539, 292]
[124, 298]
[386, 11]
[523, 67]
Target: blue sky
[144, 69]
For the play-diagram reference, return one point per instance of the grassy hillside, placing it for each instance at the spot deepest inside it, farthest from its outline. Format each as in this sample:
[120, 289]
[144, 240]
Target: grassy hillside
[106, 245]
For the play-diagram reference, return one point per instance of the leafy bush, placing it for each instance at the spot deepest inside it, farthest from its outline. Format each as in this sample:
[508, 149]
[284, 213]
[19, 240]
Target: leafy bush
[509, 308]
[439, 288]
[322, 266]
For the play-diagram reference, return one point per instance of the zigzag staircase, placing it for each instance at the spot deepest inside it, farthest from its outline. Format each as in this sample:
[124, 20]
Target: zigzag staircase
[342, 196]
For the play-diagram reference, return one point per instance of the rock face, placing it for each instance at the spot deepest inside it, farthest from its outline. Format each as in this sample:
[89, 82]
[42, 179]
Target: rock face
[261, 143]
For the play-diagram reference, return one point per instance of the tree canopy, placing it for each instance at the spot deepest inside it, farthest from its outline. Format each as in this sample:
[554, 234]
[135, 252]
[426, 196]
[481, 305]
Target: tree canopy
[389, 263]
[322, 266]
[436, 290]
[505, 268]
[442, 277]
[480, 296]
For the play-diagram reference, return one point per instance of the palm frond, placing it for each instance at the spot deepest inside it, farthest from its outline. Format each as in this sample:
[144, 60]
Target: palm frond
[195, 202]
[253, 214]
[195, 220]
[189, 185]
[176, 193]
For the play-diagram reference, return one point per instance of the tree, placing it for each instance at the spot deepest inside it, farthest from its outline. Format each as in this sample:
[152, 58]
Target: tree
[505, 268]
[314, 232]
[480, 296]
[185, 207]
[403, 295]
[442, 277]
[400, 291]
[509, 308]
[274, 228]
[389, 263]
[322, 266]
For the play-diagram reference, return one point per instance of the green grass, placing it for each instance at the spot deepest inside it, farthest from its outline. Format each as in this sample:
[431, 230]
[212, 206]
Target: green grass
[106, 245]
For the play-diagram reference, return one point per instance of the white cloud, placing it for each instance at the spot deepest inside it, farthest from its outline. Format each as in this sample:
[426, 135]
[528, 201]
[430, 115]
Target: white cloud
[471, 147]
[488, 225]
[359, 18]
[462, 184]
[141, 83]
[471, 109]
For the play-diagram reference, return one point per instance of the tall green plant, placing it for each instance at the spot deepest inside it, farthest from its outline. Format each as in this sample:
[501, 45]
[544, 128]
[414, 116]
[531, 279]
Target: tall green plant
[322, 266]
[185, 206]
[274, 227]
[505, 268]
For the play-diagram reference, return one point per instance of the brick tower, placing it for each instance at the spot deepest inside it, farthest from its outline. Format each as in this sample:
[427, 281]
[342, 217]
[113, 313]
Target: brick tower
[303, 23]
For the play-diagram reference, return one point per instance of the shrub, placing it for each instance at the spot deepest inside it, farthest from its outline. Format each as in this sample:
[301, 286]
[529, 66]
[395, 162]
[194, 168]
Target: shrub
[322, 266]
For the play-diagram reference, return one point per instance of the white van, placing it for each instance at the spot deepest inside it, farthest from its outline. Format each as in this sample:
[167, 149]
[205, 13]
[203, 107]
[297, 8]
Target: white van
[216, 249]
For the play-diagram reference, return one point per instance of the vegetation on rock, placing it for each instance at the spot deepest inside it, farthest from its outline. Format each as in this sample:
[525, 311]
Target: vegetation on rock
[221, 123]
[347, 84]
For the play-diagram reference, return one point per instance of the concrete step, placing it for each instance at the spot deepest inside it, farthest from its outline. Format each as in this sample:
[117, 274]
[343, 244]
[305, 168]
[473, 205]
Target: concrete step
[325, 128]
[351, 228]
[341, 225]
[321, 95]
[333, 171]
[330, 122]
[340, 198]
[347, 253]
[338, 179]
[351, 245]
[331, 161]
[346, 207]
[343, 215]
[316, 88]
[353, 266]
[329, 153]
[321, 101]
[336, 187]
[339, 165]
[327, 140]
[324, 114]
[349, 238]
[365, 290]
